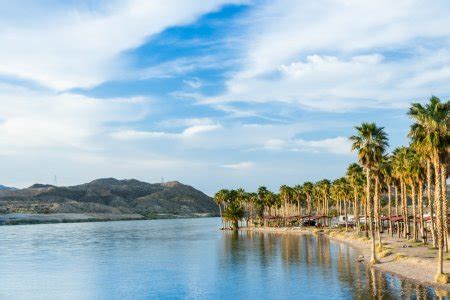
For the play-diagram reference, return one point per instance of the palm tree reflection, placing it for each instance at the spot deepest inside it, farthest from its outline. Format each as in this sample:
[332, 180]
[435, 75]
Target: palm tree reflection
[314, 258]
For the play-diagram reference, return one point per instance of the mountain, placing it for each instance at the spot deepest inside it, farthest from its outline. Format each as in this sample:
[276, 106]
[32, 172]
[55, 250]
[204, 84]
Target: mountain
[2, 187]
[109, 195]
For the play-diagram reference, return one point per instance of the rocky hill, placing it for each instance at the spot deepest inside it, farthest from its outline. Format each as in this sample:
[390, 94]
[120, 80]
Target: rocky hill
[109, 195]
[2, 187]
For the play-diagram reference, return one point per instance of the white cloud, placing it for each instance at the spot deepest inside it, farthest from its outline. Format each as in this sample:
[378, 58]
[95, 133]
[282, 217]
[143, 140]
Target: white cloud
[189, 132]
[30, 119]
[194, 83]
[289, 28]
[71, 47]
[275, 144]
[185, 122]
[336, 55]
[239, 166]
[193, 130]
[336, 145]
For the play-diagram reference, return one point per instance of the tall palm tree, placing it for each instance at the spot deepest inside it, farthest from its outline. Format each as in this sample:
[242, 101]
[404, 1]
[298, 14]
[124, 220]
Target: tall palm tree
[355, 177]
[371, 143]
[221, 197]
[413, 176]
[308, 191]
[377, 175]
[423, 148]
[400, 169]
[340, 191]
[234, 211]
[262, 203]
[285, 194]
[298, 195]
[432, 132]
[386, 172]
[271, 201]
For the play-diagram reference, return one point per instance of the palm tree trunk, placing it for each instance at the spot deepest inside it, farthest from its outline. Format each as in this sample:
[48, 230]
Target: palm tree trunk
[431, 204]
[396, 199]
[373, 258]
[389, 209]
[439, 225]
[422, 223]
[309, 204]
[444, 203]
[402, 209]
[366, 228]
[408, 223]
[376, 201]
[396, 208]
[221, 217]
[356, 209]
[345, 211]
[413, 199]
[405, 209]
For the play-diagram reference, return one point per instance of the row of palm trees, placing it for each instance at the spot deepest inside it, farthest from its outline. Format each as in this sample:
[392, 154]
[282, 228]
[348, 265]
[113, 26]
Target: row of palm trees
[403, 185]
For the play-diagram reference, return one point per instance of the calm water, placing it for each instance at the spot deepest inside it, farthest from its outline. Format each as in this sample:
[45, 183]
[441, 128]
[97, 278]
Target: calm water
[182, 259]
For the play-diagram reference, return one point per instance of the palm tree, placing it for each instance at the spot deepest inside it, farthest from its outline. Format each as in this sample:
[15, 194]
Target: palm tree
[308, 191]
[355, 177]
[298, 195]
[340, 191]
[431, 132]
[285, 194]
[234, 211]
[377, 175]
[400, 169]
[413, 177]
[370, 142]
[221, 197]
[386, 172]
[423, 148]
[261, 203]
[272, 200]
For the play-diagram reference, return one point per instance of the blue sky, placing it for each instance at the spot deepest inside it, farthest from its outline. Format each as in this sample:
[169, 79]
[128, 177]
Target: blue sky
[211, 93]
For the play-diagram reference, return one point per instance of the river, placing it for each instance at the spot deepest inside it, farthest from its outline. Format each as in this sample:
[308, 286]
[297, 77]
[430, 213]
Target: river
[183, 258]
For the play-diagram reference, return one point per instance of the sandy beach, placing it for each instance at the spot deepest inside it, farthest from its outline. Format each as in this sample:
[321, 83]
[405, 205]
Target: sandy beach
[411, 260]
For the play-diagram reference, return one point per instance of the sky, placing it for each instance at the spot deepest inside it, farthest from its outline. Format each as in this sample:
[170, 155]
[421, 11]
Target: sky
[215, 94]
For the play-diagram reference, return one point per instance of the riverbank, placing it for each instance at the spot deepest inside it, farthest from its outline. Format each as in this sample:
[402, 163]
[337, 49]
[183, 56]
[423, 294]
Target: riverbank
[29, 219]
[411, 260]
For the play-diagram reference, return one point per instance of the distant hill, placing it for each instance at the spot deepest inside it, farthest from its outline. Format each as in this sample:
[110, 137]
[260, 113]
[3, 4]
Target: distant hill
[109, 195]
[2, 187]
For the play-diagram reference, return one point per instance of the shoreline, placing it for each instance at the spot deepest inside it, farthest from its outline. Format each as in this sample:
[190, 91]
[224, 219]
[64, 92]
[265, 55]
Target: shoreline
[58, 218]
[416, 263]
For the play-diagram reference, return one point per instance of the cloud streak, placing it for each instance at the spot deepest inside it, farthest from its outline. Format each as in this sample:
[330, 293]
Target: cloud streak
[73, 47]
[309, 55]
[239, 166]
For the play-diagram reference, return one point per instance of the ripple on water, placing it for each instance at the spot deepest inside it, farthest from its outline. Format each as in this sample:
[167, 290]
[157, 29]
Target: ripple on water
[184, 258]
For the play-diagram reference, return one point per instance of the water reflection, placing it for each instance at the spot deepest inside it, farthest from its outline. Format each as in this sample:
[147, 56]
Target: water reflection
[184, 259]
[318, 267]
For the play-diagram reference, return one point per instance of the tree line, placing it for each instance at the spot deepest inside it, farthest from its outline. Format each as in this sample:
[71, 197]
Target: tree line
[400, 187]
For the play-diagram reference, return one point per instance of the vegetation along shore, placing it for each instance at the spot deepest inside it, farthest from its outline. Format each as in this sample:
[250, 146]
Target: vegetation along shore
[391, 205]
